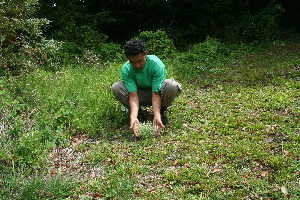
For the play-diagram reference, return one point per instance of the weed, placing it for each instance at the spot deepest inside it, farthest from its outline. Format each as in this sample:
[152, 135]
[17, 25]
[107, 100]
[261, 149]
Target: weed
[19, 184]
[147, 129]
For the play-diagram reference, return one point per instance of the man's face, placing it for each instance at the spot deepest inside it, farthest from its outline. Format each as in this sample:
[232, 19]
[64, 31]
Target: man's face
[138, 61]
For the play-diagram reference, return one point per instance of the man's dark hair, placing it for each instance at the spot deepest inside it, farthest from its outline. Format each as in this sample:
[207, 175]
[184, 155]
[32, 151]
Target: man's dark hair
[134, 47]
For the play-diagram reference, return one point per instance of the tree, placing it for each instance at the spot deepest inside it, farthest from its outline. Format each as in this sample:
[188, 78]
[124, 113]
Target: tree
[186, 21]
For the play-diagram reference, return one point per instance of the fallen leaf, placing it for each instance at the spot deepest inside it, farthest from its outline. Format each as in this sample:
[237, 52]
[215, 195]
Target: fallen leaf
[81, 188]
[55, 156]
[216, 170]
[147, 148]
[285, 152]
[144, 184]
[77, 140]
[97, 195]
[265, 173]
[213, 158]
[284, 190]
[187, 165]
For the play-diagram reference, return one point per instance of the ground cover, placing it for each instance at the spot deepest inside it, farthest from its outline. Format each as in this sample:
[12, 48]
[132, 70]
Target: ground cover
[233, 133]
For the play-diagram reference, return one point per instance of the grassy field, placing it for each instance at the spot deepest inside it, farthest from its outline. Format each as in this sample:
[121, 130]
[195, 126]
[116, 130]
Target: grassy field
[233, 134]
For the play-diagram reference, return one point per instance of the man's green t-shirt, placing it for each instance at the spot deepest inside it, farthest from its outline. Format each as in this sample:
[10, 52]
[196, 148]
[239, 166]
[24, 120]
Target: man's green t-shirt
[150, 77]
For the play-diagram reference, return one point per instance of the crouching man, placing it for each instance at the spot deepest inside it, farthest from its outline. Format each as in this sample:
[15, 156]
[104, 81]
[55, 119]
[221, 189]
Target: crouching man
[144, 83]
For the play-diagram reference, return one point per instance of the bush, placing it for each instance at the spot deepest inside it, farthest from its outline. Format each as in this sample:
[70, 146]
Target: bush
[22, 138]
[158, 43]
[210, 53]
[22, 46]
[82, 42]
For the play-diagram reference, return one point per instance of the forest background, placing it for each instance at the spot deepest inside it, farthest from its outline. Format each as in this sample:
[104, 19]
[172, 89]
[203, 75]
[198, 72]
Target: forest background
[39, 28]
[63, 135]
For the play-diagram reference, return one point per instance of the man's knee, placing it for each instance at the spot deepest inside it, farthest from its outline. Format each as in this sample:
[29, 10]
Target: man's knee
[172, 85]
[116, 87]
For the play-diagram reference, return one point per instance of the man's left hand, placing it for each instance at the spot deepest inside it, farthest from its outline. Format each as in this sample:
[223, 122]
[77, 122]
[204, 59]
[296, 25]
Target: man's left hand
[158, 125]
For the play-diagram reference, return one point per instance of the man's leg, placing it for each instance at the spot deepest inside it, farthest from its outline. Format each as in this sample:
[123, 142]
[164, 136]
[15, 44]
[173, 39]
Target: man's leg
[121, 94]
[169, 91]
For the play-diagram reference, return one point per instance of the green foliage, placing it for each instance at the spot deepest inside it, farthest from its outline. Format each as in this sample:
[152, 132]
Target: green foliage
[84, 46]
[20, 185]
[120, 187]
[109, 52]
[233, 132]
[261, 26]
[79, 100]
[22, 46]
[23, 140]
[158, 43]
[187, 22]
[84, 36]
[146, 129]
[209, 53]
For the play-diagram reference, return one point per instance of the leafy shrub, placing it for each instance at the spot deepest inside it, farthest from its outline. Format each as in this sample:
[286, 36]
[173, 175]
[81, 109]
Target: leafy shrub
[109, 52]
[22, 46]
[22, 138]
[210, 53]
[81, 42]
[158, 43]
[84, 36]
[73, 55]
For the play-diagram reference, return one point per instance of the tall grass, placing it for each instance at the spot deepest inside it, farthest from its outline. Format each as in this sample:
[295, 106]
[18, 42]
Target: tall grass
[21, 184]
[78, 99]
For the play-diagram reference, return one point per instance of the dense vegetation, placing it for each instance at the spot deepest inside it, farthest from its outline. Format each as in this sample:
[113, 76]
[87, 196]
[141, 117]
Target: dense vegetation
[233, 134]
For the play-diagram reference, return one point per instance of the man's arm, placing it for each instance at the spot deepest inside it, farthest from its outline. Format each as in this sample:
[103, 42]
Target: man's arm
[156, 105]
[134, 108]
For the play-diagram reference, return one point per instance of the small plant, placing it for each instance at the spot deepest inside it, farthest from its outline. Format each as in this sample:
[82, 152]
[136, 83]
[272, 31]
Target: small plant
[147, 129]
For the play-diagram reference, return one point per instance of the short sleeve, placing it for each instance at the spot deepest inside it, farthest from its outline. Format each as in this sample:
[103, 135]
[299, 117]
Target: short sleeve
[128, 80]
[159, 76]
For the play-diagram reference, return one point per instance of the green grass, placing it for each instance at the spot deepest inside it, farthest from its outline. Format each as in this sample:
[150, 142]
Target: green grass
[21, 184]
[233, 134]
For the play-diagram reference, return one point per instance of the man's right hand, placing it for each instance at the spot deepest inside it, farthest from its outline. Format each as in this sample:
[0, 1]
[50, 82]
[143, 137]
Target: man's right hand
[134, 123]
